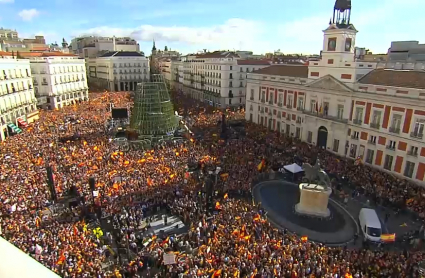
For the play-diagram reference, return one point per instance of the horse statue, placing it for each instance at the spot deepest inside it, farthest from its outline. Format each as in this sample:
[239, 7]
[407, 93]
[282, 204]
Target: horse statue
[314, 174]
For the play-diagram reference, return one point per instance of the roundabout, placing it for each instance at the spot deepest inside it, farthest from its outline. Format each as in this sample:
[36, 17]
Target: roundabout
[279, 198]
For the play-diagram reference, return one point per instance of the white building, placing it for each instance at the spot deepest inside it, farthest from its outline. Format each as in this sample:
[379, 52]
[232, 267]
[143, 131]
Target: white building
[118, 70]
[347, 106]
[218, 78]
[93, 46]
[59, 79]
[18, 105]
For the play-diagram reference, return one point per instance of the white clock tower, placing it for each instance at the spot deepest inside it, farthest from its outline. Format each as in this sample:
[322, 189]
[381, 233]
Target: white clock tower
[338, 57]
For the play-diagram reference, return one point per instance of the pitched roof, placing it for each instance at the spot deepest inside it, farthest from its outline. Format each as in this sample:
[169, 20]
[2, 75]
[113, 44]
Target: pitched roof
[253, 62]
[122, 54]
[218, 54]
[395, 78]
[300, 71]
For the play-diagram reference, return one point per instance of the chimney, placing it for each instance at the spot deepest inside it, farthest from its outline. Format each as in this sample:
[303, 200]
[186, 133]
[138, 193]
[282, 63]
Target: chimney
[113, 42]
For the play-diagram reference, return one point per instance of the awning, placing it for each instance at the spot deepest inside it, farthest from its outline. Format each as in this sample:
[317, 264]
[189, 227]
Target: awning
[22, 123]
[15, 128]
[293, 168]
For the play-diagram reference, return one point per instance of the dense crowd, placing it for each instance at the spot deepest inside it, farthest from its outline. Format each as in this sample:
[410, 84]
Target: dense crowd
[236, 242]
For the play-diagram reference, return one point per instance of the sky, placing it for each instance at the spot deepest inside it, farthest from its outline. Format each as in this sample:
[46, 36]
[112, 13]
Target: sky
[190, 26]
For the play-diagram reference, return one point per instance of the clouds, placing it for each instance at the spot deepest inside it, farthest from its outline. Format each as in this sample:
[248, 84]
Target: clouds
[28, 15]
[6, 1]
[233, 33]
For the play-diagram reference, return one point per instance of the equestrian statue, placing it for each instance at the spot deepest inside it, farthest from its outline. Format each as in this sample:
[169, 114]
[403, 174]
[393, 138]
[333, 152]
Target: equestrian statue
[315, 175]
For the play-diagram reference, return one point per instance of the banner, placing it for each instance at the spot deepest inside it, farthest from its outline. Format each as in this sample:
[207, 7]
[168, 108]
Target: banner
[388, 237]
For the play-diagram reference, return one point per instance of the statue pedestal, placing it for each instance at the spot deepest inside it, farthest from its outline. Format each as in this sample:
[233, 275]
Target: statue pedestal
[314, 200]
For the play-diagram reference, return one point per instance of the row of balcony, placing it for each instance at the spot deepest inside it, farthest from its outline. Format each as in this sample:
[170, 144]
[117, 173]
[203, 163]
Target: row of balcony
[18, 105]
[391, 129]
[127, 66]
[17, 90]
[5, 77]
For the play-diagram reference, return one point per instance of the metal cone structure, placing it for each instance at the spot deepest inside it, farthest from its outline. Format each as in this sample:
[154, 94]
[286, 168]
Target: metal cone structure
[153, 112]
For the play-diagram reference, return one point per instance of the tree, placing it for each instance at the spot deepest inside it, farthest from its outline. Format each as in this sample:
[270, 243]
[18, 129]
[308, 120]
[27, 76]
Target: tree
[165, 48]
[13, 54]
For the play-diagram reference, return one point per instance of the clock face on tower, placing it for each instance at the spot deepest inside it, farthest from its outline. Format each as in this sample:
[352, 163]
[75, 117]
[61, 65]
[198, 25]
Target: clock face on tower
[332, 44]
[348, 44]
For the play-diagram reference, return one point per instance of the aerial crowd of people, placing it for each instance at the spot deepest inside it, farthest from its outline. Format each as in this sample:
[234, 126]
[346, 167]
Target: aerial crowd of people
[238, 241]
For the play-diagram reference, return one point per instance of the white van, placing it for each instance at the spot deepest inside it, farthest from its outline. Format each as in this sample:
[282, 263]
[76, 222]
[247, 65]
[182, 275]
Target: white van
[370, 224]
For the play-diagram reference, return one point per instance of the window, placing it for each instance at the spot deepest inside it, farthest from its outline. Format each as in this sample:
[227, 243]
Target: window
[263, 96]
[230, 101]
[313, 106]
[413, 151]
[372, 139]
[309, 137]
[353, 150]
[252, 94]
[355, 135]
[340, 114]
[289, 103]
[369, 156]
[392, 145]
[376, 119]
[388, 162]
[231, 68]
[280, 99]
[336, 145]
[298, 133]
[418, 130]
[300, 104]
[359, 114]
[325, 108]
[409, 168]
[241, 70]
[396, 123]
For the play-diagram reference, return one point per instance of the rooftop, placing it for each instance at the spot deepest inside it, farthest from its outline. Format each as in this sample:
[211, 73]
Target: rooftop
[414, 79]
[300, 71]
[218, 54]
[253, 62]
[122, 54]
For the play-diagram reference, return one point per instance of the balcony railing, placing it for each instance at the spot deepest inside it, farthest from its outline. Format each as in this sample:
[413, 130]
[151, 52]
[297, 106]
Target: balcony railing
[263, 100]
[389, 147]
[415, 154]
[394, 130]
[298, 121]
[280, 104]
[251, 98]
[271, 102]
[371, 142]
[355, 137]
[289, 106]
[416, 135]
[300, 108]
[262, 111]
[279, 116]
[375, 125]
[288, 118]
[323, 116]
[357, 122]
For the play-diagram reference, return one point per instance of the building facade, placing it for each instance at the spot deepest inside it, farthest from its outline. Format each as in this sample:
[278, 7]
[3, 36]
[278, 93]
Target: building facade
[407, 51]
[217, 78]
[118, 70]
[59, 79]
[346, 106]
[93, 46]
[18, 104]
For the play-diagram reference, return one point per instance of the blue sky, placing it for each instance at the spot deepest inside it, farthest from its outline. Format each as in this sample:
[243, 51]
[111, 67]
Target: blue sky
[190, 26]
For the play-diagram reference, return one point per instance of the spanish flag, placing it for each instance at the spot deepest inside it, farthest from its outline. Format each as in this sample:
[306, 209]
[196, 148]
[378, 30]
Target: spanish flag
[304, 239]
[217, 205]
[226, 196]
[261, 165]
[388, 237]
